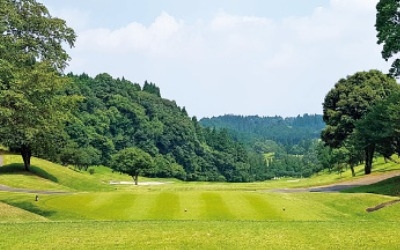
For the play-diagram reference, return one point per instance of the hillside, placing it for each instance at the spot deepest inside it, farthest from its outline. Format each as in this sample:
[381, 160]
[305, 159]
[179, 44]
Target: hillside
[116, 114]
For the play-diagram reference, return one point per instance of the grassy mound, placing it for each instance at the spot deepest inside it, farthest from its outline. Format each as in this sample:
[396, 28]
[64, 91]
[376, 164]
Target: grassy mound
[13, 214]
[45, 175]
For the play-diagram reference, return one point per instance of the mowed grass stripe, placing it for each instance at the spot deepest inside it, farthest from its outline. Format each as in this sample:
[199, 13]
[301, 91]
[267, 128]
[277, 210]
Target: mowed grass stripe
[166, 206]
[215, 207]
[262, 209]
[99, 206]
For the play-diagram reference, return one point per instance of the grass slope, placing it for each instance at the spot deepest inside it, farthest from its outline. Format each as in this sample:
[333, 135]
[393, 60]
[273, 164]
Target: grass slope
[13, 214]
[45, 175]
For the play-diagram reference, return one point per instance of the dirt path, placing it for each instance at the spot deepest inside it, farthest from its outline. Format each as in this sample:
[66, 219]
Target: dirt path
[367, 180]
[22, 190]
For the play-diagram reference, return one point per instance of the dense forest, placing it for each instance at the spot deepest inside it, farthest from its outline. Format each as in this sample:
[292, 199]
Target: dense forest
[290, 145]
[115, 114]
[288, 132]
[112, 115]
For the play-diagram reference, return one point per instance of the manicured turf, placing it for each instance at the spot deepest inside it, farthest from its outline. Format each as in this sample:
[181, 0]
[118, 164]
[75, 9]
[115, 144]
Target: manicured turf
[178, 215]
[200, 235]
[204, 206]
[14, 214]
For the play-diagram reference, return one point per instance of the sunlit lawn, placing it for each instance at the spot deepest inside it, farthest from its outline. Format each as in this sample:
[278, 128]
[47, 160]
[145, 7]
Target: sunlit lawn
[178, 215]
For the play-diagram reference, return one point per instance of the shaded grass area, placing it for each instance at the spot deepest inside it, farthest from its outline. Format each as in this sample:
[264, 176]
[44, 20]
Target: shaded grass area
[45, 175]
[387, 187]
[200, 235]
[13, 214]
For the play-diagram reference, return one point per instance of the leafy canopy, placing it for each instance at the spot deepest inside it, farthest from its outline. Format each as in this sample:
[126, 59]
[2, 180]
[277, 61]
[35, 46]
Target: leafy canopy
[131, 161]
[348, 102]
[32, 107]
[388, 28]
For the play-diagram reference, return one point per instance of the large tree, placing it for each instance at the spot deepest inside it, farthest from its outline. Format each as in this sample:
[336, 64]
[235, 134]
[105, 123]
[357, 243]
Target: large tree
[32, 108]
[348, 102]
[388, 28]
[131, 161]
[381, 126]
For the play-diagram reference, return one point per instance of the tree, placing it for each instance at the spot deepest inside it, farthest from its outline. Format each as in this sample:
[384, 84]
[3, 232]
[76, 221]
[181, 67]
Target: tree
[31, 63]
[381, 126]
[388, 28]
[348, 102]
[131, 161]
[30, 56]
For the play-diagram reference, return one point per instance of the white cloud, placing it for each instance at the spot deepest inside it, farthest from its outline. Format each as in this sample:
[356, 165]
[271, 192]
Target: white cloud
[240, 64]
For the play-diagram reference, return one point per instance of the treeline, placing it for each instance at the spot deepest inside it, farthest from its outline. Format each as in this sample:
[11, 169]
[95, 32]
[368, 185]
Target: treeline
[116, 114]
[291, 146]
[287, 132]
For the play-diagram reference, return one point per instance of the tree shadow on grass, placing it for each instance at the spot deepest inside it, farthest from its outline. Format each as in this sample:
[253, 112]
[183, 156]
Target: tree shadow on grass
[30, 207]
[389, 187]
[18, 168]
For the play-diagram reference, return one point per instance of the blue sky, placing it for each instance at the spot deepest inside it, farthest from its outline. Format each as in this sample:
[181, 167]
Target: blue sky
[248, 57]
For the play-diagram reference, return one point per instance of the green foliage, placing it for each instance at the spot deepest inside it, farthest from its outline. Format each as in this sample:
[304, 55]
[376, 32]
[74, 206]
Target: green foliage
[117, 114]
[30, 34]
[380, 126]
[348, 102]
[151, 88]
[387, 26]
[289, 131]
[291, 141]
[131, 161]
[32, 108]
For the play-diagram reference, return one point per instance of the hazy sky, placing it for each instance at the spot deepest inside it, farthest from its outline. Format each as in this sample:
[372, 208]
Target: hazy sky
[215, 57]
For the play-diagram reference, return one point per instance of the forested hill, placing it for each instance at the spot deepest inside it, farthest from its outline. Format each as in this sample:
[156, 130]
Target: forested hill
[286, 131]
[116, 114]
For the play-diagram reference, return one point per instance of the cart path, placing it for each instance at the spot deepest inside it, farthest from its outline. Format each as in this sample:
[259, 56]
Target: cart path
[5, 188]
[367, 180]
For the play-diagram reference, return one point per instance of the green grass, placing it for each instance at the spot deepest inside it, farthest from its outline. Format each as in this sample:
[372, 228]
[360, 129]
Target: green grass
[45, 175]
[13, 214]
[200, 235]
[387, 187]
[180, 215]
[204, 206]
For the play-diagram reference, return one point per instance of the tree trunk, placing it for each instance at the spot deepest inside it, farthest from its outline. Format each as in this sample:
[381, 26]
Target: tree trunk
[26, 154]
[353, 173]
[135, 178]
[369, 155]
